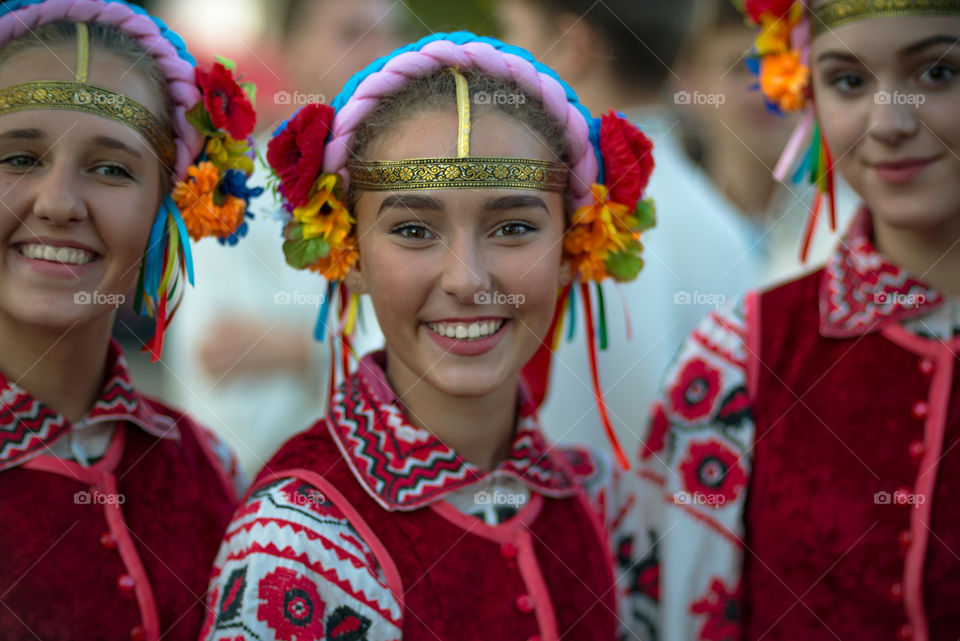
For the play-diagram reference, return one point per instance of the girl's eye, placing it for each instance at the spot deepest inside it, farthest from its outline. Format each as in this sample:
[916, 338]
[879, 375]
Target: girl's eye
[113, 171]
[411, 231]
[20, 161]
[846, 82]
[937, 74]
[514, 229]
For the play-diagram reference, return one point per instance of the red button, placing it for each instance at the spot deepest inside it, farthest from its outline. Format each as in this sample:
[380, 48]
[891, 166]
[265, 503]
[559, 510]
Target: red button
[903, 496]
[926, 366]
[916, 450]
[919, 409]
[126, 583]
[905, 631]
[508, 550]
[108, 541]
[896, 592]
[525, 603]
[137, 633]
[905, 539]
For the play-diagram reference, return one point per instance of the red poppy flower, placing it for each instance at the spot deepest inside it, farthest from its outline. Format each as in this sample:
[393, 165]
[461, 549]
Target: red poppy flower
[657, 437]
[291, 606]
[695, 391]
[776, 8]
[227, 103]
[296, 154]
[722, 608]
[712, 473]
[627, 159]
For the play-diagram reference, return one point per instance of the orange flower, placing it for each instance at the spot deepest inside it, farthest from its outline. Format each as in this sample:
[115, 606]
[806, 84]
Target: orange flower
[598, 230]
[195, 199]
[783, 79]
[335, 265]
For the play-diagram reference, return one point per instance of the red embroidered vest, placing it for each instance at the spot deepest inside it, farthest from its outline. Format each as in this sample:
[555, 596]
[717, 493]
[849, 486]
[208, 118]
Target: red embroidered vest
[76, 567]
[852, 517]
[463, 579]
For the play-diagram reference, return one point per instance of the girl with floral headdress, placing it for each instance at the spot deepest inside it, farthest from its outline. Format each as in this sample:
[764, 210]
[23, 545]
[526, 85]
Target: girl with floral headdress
[112, 503]
[461, 186]
[804, 453]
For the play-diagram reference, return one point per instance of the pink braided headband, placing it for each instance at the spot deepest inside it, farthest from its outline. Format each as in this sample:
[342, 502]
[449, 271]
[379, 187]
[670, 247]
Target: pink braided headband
[440, 54]
[180, 74]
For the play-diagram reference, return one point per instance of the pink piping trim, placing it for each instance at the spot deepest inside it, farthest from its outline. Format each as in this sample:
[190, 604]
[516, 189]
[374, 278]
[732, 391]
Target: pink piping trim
[107, 464]
[131, 559]
[201, 438]
[536, 586]
[938, 402]
[503, 533]
[752, 321]
[394, 583]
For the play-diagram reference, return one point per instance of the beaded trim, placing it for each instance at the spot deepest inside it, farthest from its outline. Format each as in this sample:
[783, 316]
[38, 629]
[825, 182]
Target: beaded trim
[459, 173]
[840, 12]
[53, 94]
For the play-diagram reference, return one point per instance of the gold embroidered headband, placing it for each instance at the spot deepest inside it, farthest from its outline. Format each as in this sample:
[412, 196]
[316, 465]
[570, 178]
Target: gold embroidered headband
[462, 172]
[79, 95]
[840, 12]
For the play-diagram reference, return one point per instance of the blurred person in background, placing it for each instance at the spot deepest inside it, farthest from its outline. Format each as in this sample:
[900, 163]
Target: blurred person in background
[738, 141]
[244, 356]
[621, 53]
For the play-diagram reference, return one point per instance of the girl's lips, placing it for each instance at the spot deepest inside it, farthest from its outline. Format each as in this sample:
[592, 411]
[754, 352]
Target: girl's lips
[54, 268]
[468, 347]
[901, 171]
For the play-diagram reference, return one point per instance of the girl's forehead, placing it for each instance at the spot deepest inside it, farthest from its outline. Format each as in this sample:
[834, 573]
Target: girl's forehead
[74, 131]
[888, 37]
[433, 134]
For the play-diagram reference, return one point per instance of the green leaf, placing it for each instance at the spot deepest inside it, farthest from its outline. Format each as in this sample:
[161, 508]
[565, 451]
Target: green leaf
[293, 231]
[200, 119]
[251, 90]
[646, 215]
[226, 62]
[304, 252]
[624, 265]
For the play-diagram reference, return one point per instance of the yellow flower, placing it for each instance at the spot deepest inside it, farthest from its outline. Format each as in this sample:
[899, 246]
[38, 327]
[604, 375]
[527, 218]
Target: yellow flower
[597, 231]
[324, 215]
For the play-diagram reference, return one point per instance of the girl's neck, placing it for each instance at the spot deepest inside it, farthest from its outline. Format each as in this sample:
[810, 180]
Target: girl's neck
[933, 255]
[479, 429]
[63, 370]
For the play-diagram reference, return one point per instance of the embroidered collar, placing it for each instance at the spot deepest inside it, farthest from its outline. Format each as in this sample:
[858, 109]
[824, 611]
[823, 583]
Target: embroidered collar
[860, 289]
[27, 426]
[404, 467]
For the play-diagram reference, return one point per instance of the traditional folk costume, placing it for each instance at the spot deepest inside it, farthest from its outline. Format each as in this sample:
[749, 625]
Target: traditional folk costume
[109, 524]
[368, 527]
[802, 461]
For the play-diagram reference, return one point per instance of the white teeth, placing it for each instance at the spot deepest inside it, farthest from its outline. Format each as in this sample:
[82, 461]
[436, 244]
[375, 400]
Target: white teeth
[66, 255]
[471, 331]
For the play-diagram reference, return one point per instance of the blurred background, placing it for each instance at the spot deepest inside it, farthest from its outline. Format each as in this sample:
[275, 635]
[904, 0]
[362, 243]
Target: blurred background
[241, 356]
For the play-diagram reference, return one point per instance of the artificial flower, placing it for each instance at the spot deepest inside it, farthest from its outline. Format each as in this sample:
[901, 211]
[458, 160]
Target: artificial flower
[296, 154]
[227, 153]
[335, 265]
[756, 9]
[206, 211]
[627, 159]
[784, 80]
[227, 102]
[602, 231]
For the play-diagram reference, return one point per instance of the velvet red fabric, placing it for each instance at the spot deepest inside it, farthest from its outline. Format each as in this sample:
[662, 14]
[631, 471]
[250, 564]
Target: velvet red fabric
[837, 422]
[62, 575]
[460, 585]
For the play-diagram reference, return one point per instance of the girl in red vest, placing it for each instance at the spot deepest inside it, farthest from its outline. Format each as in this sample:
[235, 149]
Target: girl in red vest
[805, 452]
[111, 504]
[461, 186]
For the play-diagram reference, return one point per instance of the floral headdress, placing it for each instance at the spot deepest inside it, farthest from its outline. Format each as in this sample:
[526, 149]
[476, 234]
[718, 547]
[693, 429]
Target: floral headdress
[781, 60]
[209, 155]
[611, 163]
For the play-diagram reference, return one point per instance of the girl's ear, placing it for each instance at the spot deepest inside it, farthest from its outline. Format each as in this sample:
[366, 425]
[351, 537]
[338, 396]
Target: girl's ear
[355, 281]
[566, 272]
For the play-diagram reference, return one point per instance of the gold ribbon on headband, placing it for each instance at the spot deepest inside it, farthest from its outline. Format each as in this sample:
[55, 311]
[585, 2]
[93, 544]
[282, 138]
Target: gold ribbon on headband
[79, 95]
[462, 172]
[840, 12]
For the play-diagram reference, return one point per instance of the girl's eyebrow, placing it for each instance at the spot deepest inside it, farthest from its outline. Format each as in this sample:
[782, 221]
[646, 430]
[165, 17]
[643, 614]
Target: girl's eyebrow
[113, 143]
[514, 202]
[410, 201]
[908, 50]
[22, 134]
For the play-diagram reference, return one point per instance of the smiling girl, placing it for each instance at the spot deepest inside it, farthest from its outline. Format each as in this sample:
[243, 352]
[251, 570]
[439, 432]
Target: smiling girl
[112, 504]
[819, 421]
[457, 183]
